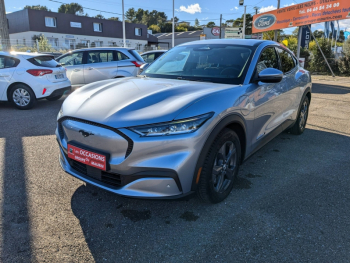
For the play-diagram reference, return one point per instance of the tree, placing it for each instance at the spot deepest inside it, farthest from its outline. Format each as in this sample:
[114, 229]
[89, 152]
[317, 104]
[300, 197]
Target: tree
[167, 28]
[344, 61]
[71, 8]
[196, 23]
[317, 63]
[154, 28]
[248, 23]
[37, 7]
[130, 15]
[180, 29]
[269, 35]
[211, 24]
[318, 33]
[176, 19]
[114, 18]
[99, 16]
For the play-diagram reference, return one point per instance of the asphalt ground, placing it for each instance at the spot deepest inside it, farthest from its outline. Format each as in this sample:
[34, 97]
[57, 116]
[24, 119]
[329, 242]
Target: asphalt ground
[290, 204]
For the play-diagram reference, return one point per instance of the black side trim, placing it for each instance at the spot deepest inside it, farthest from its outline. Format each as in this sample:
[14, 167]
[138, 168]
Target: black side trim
[234, 118]
[58, 92]
[130, 142]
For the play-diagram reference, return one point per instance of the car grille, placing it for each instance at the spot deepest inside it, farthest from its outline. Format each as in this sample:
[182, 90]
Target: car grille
[60, 130]
[111, 179]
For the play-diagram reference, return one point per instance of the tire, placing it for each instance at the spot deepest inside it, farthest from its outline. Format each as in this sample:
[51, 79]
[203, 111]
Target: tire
[209, 189]
[299, 125]
[22, 97]
[54, 98]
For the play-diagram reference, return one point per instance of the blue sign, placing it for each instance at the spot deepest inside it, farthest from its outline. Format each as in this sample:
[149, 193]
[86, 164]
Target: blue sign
[265, 21]
[305, 36]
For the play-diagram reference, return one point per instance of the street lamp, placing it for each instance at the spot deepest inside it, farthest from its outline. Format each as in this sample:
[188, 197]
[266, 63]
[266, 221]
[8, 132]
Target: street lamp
[256, 9]
[241, 2]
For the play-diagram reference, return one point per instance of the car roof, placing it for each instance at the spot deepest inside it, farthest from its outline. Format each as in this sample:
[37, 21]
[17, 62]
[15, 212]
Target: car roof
[241, 42]
[27, 54]
[154, 51]
[99, 48]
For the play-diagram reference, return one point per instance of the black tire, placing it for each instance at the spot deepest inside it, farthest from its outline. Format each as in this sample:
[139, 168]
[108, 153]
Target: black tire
[54, 98]
[299, 125]
[207, 190]
[27, 94]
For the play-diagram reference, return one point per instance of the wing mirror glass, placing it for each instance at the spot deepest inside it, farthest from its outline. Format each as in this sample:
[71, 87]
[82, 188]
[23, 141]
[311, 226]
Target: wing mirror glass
[270, 75]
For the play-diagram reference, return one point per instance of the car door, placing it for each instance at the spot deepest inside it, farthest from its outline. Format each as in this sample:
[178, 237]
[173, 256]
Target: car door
[267, 98]
[289, 85]
[73, 62]
[100, 65]
[7, 68]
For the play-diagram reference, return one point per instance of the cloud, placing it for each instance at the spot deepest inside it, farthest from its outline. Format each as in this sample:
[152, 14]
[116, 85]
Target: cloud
[191, 9]
[289, 5]
[267, 9]
[236, 8]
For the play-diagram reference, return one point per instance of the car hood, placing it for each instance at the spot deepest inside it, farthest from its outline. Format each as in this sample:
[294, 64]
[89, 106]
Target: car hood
[136, 101]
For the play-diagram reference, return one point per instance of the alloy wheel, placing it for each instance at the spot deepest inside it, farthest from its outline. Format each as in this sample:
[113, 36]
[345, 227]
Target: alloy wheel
[303, 115]
[224, 167]
[21, 97]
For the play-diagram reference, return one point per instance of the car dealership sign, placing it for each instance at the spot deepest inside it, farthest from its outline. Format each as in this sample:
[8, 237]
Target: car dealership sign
[307, 13]
[215, 31]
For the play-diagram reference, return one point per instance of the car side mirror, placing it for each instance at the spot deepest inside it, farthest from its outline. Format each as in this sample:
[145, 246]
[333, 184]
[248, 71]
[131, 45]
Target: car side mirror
[270, 75]
[144, 67]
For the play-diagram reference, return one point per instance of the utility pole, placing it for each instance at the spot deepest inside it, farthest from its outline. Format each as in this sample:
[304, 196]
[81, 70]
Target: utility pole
[244, 19]
[220, 24]
[173, 23]
[4, 29]
[124, 37]
[276, 31]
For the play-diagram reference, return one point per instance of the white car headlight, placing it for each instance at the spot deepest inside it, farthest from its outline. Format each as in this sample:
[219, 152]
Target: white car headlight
[175, 127]
[60, 113]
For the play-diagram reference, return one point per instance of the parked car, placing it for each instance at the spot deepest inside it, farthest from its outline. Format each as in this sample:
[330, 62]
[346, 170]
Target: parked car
[187, 123]
[151, 56]
[27, 77]
[94, 64]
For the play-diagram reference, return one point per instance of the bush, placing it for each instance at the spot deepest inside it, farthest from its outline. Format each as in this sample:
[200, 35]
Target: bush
[317, 62]
[344, 61]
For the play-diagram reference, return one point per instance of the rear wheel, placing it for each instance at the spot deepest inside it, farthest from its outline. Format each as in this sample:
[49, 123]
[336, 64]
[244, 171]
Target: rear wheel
[220, 168]
[54, 98]
[300, 124]
[22, 97]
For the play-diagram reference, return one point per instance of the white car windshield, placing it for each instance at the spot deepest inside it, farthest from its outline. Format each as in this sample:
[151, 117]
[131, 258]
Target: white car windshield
[219, 63]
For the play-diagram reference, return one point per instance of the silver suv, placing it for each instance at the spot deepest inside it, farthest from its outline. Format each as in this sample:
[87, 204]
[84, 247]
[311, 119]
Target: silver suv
[93, 64]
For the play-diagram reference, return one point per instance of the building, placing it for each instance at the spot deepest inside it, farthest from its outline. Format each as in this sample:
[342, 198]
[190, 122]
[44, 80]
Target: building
[180, 37]
[67, 31]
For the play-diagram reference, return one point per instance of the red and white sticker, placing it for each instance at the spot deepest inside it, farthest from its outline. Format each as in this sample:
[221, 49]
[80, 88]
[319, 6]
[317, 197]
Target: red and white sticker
[87, 157]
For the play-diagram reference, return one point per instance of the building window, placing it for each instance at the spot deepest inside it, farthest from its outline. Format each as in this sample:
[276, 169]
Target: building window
[70, 43]
[85, 42]
[98, 43]
[97, 27]
[53, 41]
[112, 44]
[50, 21]
[75, 24]
[138, 32]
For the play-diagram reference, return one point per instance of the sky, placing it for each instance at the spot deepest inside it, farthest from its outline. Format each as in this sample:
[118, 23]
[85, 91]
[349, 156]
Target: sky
[188, 10]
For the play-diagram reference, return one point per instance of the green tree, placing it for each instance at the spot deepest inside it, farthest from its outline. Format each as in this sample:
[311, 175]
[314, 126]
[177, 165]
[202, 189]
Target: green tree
[99, 16]
[180, 29]
[248, 23]
[114, 18]
[317, 63]
[269, 35]
[344, 61]
[211, 24]
[154, 28]
[130, 15]
[71, 8]
[318, 33]
[37, 7]
[167, 28]
[196, 23]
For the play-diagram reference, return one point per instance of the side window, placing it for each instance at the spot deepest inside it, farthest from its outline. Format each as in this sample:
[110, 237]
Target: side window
[287, 61]
[121, 56]
[100, 56]
[268, 59]
[72, 59]
[7, 62]
[149, 58]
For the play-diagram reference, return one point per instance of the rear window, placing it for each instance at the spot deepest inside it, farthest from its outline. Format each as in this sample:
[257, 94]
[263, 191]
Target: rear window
[44, 61]
[136, 55]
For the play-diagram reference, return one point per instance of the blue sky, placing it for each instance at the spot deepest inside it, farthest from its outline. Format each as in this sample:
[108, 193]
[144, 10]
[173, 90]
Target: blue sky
[204, 10]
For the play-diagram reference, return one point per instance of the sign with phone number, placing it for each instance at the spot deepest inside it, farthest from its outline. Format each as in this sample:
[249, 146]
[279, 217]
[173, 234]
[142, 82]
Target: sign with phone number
[311, 12]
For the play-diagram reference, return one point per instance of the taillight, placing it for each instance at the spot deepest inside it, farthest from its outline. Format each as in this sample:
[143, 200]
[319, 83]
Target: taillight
[137, 64]
[39, 72]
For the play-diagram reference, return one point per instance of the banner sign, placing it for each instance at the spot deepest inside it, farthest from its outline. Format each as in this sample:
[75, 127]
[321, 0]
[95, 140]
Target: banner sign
[305, 37]
[311, 12]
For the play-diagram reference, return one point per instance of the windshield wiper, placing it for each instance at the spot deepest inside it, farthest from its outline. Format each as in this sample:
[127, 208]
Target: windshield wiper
[200, 80]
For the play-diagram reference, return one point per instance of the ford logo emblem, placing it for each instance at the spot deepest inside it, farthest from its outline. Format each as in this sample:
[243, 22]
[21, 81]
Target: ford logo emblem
[265, 21]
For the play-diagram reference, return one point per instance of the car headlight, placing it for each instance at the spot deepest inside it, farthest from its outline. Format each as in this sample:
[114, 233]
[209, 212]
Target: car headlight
[175, 127]
[60, 113]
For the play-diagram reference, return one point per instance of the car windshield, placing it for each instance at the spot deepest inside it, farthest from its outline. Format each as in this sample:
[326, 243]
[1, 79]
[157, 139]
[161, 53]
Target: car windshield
[219, 63]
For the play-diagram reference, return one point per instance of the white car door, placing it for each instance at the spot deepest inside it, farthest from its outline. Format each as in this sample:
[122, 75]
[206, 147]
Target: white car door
[73, 62]
[7, 68]
[100, 65]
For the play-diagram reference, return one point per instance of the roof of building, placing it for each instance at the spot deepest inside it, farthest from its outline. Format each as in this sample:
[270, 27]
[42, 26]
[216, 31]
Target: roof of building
[188, 34]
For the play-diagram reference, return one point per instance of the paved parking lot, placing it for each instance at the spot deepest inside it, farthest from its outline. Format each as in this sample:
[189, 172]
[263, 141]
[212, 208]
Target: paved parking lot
[291, 203]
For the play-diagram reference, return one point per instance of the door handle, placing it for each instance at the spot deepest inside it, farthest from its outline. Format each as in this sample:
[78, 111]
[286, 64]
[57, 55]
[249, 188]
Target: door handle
[4, 75]
[76, 70]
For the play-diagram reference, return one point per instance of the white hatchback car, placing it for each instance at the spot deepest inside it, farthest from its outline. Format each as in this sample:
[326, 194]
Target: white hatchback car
[27, 77]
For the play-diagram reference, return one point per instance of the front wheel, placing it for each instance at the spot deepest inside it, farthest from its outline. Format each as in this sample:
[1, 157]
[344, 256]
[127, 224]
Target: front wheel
[220, 167]
[300, 124]
[22, 97]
